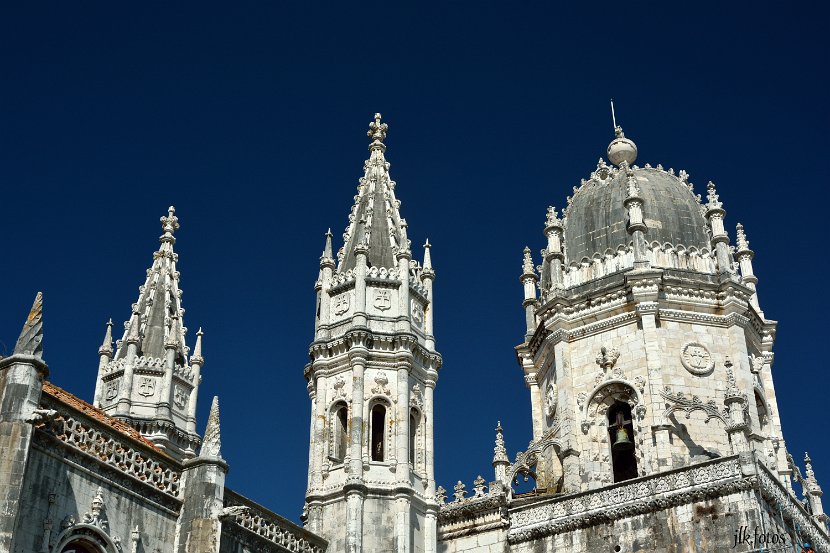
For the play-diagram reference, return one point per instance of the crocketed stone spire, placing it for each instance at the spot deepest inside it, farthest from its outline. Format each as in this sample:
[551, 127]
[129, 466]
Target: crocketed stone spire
[30, 341]
[159, 310]
[375, 220]
[212, 444]
[150, 382]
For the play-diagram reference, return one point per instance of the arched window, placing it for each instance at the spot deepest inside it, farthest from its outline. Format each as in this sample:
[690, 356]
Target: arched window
[340, 436]
[377, 443]
[621, 433]
[414, 419]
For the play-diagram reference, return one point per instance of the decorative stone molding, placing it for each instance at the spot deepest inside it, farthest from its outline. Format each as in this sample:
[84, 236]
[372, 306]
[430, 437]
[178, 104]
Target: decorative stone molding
[642, 495]
[696, 358]
[607, 359]
[679, 402]
[381, 380]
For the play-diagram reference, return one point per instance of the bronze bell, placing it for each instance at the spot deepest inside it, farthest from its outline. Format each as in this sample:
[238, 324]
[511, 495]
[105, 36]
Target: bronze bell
[623, 442]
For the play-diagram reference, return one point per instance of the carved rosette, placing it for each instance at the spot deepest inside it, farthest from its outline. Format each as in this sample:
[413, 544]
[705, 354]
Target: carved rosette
[696, 358]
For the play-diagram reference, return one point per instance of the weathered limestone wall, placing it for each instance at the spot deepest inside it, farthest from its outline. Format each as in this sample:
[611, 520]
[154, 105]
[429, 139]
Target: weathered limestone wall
[490, 541]
[61, 491]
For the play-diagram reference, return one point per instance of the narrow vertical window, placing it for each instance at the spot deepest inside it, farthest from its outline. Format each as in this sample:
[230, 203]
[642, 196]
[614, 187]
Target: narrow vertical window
[413, 431]
[621, 433]
[377, 445]
[341, 438]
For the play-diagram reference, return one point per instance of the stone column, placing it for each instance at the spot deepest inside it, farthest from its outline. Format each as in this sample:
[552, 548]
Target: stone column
[553, 253]
[402, 521]
[327, 267]
[170, 348]
[319, 413]
[196, 363]
[536, 407]
[636, 225]
[431, 519]
[361, 251]
[402, 415]
[355, 488]
[529, 280]
[427, 277]
[720, 240]
[744, 256]
[403, 256]
[737, 426]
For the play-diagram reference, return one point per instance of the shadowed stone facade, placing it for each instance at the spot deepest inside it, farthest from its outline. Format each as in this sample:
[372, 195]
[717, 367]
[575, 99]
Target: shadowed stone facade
[646, 353]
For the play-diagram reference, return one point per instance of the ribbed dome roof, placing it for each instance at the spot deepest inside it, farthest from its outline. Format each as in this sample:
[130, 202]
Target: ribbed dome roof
[596, 218]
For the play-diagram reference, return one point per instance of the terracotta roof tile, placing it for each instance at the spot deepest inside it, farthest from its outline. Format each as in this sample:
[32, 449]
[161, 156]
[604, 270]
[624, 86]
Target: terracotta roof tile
[93, 412]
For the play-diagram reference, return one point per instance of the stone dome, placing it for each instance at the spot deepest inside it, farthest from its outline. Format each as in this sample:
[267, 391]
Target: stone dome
[596, 218]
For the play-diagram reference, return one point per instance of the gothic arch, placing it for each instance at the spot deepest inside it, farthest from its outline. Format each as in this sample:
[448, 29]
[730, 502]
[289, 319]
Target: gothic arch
[88, 535]
[541, 462]
[385, 437]
[594, 424]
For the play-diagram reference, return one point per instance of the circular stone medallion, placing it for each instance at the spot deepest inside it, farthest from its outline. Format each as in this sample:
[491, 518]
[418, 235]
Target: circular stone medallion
[696, 358]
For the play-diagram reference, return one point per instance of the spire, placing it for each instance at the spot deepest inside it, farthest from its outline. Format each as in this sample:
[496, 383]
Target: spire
[197, 351]
[375, 221]
[427, 256]
[30, 341]
[106, 345]
[327, 247]
[527, 265]
[157, 320]
[500, 451]
[742, 242]
[212, 444]
[712, 197]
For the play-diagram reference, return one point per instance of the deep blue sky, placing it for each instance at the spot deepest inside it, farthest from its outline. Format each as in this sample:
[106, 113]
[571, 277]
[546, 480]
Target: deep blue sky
[251, 120]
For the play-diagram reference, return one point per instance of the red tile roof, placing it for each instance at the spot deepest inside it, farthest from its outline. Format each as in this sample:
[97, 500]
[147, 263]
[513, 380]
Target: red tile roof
[93, 412]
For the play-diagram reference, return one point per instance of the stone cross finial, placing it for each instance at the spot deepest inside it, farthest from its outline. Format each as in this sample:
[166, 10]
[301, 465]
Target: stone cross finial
[169, 224]
[377, 131]
[441, 495]
[30, 341]
[478, 486]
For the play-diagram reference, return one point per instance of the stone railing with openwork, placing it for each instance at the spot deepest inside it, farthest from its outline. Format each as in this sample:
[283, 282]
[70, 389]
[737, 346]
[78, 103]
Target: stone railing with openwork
[785, 502]
[246, 522]
[484, 510]
[95, 440]
[634, 497]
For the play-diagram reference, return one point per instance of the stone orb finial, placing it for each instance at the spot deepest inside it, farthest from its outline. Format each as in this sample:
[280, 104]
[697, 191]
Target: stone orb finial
[622, 149]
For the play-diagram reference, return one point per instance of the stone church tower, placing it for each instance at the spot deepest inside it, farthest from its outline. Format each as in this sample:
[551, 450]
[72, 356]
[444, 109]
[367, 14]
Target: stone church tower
[647, 348]
[150, 382]
[371, 380]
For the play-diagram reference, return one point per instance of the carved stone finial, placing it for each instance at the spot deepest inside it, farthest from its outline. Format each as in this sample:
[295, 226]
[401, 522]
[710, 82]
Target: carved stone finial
[377, 132]
[30, 341]
[212, 444]
[713, 201]
[169, 224]
[621, 149]
[427, 256]
[95, 515]
[607, 359]
[478, 486]
[500, 451]
[441, 495]
[327, 248]
[742, 242]
[459, 491]
[552, 219]
[527, 266]
[197, 350]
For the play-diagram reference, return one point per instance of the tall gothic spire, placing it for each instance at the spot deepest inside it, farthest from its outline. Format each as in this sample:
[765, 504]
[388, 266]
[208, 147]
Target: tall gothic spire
[212, 444]
[375, 220]
[158, 315]
[30, 341]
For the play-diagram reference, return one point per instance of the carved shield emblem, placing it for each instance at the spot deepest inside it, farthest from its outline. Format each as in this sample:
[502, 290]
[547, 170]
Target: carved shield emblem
[147, 387]
[383, 300]
[111, 389]
[180, 396]
[417, 313]
[341, 304]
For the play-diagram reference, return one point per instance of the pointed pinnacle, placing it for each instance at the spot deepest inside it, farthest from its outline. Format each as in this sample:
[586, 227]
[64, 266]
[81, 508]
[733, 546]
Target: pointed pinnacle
[327, 248]
[31, 337]
[106, 345]
[427, 255]
[212, 444]
[197, 350]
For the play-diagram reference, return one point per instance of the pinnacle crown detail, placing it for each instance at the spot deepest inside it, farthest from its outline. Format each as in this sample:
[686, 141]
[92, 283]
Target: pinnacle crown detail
[377, 132]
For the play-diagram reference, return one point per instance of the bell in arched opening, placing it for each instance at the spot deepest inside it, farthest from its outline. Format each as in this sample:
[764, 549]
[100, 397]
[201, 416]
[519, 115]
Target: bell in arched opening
[621, 434]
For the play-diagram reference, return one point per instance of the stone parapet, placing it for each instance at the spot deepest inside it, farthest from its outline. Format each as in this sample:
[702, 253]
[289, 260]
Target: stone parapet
[246, 522]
